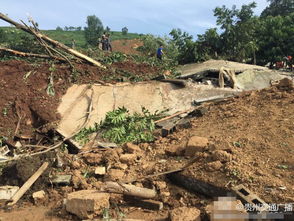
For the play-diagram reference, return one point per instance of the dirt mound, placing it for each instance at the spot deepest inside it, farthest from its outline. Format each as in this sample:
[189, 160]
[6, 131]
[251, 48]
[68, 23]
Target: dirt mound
[251, 143]
[127, 46]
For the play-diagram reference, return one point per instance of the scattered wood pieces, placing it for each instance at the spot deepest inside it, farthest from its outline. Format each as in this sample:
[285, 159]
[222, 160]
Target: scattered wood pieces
[130, 190]
[28, 184]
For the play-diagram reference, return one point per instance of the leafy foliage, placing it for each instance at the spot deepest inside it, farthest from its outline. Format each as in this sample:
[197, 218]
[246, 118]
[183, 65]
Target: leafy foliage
[124, 30]
[278, 8]
[121, 127]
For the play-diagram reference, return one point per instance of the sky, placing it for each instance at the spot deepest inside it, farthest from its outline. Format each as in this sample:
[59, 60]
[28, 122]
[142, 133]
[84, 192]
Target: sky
[157, 17]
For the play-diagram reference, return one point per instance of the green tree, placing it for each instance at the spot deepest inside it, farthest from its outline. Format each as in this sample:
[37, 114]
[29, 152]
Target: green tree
[185, 45]
[275, 38]
[208, 45]
[107, 29]
[94, 30]
[58, 28]
[239, 36]
[278, 7]
[124, 30]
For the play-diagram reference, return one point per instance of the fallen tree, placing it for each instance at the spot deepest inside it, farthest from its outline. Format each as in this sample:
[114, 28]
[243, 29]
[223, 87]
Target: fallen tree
[43, 38]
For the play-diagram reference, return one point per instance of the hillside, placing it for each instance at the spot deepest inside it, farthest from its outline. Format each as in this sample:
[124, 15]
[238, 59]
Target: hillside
[67, 37]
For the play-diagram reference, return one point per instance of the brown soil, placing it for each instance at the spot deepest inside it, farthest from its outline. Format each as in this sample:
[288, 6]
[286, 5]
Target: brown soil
[127, 46]
[250, 142]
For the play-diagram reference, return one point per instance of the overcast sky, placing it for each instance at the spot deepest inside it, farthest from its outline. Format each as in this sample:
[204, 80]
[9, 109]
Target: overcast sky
[157, 17]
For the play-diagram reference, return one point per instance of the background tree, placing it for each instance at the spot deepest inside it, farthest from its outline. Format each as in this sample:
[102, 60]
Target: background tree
[58, 28]
[94, 30]
[185, 45]
[107, 29]
[124, 30]
[239, 36]
[278, 7]
[208, 45]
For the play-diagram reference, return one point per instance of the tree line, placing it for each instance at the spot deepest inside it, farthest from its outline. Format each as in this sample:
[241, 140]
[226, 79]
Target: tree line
[243, 37]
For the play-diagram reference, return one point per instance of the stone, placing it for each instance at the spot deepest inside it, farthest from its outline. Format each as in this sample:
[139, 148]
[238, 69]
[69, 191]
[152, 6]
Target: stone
[6, 192]
[226, 208]
[100, 171]
[39, 196]
[222, 156]
[214, 166]
[184, 123]
[196, 144]
[128, 158]
[18, 144]
[185, 214]
[132, 148]
[115, 174]
[62, 179]
[175, 150]
[86, 203]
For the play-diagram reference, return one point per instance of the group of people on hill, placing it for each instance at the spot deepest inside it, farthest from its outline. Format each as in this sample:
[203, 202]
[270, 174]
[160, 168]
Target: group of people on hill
[105, 42]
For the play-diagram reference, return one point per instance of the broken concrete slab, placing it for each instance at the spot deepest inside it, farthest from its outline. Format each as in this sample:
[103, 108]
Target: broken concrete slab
[85, 105]
[86, 203]
[189, 70]
[256, 80]
[6, 192]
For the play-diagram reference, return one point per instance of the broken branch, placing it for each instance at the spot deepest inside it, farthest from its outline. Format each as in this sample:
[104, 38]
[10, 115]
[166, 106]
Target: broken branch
[51, 41]
[28, 184]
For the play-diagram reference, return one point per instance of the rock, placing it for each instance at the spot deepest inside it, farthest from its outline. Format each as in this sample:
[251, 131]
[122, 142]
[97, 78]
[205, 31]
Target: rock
[62, 179]
[128, 158]
[39, 196]
[214, 166]
[100, 171]
[18, 144]
[93, 158]
[132, 148]
[196, 144]
[121, 166]
[115, 174]
[226, 207]
[6, 192]
[87, 203]
[222, 156]
[184, 123]
[185, 214]
[160, 185]
[75, 165]
[175, 150]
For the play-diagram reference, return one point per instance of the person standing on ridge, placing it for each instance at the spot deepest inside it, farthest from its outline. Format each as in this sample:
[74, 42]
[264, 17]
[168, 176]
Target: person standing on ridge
[159, 52]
